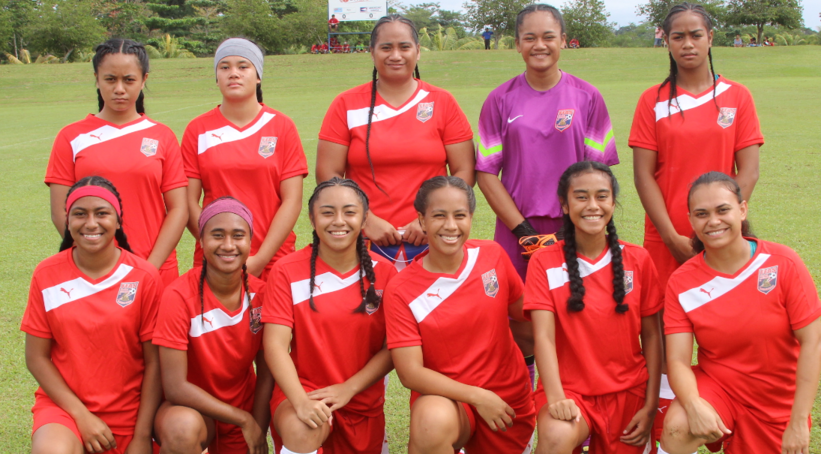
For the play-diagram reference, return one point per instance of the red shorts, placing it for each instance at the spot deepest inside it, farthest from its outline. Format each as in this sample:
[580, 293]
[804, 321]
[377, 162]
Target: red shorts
[483, 440]
[750, 433]
[351, 433]
[663, 260]
[228, 439]
[47, 412]
[607, 416]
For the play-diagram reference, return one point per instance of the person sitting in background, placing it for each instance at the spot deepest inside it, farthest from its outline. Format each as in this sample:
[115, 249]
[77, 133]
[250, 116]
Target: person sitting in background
[574, 43]
[346, 48]
[315, 48]
[752, 43]
[324, 48]
[333, 23]
[738, 42]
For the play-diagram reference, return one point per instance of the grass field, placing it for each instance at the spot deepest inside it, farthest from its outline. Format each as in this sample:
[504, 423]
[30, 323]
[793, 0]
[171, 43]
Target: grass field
[37, 100]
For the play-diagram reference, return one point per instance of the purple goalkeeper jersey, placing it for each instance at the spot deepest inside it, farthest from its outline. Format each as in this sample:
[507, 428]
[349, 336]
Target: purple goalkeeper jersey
[533, 136]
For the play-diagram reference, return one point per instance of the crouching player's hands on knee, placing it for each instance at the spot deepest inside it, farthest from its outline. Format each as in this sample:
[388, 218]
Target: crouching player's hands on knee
[638, 431]
[495, 411]
[334, 396]
[97, 437]
[565, 410]
[796, 439]
[254, 435]
[313, 413]
[704, 421]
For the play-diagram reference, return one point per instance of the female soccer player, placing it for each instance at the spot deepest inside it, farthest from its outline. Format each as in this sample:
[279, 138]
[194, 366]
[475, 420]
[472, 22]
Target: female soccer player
[235, 150]
[447, 318]
[392, 134]
[694, 105]
[138, 154]
[323, 304]
[754, 311]
[592, 298]
[209, 333]
[89, 322]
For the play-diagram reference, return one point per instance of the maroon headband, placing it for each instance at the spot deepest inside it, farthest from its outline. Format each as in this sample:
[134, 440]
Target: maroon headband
[94, 191]
[226, 205]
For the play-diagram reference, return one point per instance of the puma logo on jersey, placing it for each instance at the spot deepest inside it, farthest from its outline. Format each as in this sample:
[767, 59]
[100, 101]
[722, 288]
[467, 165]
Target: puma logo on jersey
[661, 409]
[429, 295]
[217, 136]
[708, 292]
[564, 268]
[96, 137]
[67, 292]
[206, 320]
[511, 120]
[318, 286]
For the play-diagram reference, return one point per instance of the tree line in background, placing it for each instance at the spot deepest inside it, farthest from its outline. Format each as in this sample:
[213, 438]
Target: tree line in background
[67, 30]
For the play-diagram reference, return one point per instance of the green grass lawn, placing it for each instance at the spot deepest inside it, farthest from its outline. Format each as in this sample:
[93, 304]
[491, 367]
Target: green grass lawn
[37, 100]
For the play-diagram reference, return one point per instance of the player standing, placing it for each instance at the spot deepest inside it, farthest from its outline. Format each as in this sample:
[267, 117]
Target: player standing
[594, 303]
[694, 105]
[392, 134]
[530, 129]
[247, 150]
[754, 311]
[209, 334]
[89, 322]
[323, 305]
[447, 318]
[139, 155]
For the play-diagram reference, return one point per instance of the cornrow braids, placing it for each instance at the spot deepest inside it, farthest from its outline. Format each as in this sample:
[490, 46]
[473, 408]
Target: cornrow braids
[617, 263]
[121, 46]
[369, 298]
[202, 290]
[247, 294]
[119, 234]
[575, 303]
[314, 254]
[420, 203]
[714, 77]
[368, 133]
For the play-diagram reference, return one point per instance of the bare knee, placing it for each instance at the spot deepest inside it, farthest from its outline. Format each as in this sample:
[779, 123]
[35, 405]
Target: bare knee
[182, 430]
[434, 424]
[295, 434]
[55, 439]
[555, 436]
[676, 437]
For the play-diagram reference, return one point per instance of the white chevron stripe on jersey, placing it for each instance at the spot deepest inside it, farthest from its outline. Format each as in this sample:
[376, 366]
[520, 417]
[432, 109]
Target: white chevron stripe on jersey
[687, 102]
[216, 319]
[75, 289]
[104, 134]
[557, 277]
[381, 112]
[227, 134]
[703, 294]
[323, 284]
[441, 289]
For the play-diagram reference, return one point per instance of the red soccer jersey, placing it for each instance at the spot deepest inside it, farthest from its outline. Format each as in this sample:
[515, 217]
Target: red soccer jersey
[407, 144]
[467, 338]
[245, 163]
[331, 344]
[142, 158]
[97, 327]
[598, 349]
[744, 323]
[221, 344]
[704, 139]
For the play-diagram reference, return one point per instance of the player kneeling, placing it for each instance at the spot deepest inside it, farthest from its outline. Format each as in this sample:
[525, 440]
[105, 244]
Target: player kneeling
[592, 298]
[323, 304]
[447, 317]
[210, 336]
[754, 311]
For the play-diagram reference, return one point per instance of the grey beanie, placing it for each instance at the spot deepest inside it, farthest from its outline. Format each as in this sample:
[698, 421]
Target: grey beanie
[241, 48]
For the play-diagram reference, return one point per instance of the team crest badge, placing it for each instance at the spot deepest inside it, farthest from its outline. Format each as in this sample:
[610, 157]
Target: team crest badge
[563, 119]
[267, 146]
[424, 111]
[726, 116]
[127, 293]
[767, 279]
[149, 147]
[371, 308]
[628, 282]
[256, 319]
[491, 283]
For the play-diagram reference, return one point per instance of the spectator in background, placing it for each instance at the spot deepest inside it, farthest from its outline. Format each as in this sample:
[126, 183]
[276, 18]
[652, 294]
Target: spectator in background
[574, 43]
[333, 23]
[315, 48]
[346, 48]
[487, 35]
[324, 48]
[659, 42]
[738, 42]
[752, 43]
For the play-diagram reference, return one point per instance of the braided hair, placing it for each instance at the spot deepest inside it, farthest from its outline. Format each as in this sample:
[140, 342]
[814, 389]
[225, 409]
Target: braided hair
[370, 299]
[575, 302]
[121, 46]
[119, 234]
[529, 9]
[729, 184]
[671, 79]
[374, 35]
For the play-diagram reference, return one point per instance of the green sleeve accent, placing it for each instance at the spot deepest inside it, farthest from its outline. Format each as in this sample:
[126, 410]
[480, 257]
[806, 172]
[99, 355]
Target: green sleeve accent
[596, 145]
[492, 150]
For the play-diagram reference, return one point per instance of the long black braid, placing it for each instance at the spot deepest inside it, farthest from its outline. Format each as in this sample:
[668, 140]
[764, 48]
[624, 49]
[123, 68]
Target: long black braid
[124, 46]
[374, 35]
[202, 290]
[369, 295]
[575, 302]
[247, 294]
[119, 234]
[671, 78]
